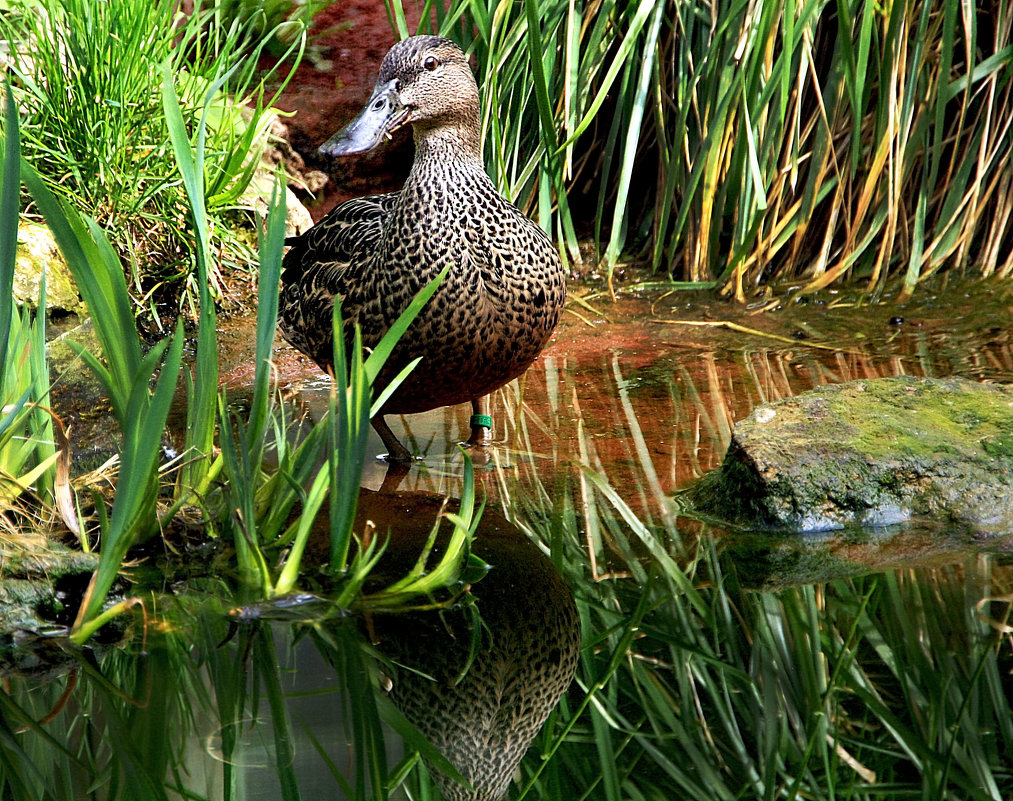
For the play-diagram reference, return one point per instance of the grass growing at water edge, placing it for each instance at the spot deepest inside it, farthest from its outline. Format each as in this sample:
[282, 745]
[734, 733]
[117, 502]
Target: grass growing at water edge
[789, 141]
[140, 383]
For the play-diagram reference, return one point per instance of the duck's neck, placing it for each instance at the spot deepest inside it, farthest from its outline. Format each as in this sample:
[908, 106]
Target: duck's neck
[448, 147]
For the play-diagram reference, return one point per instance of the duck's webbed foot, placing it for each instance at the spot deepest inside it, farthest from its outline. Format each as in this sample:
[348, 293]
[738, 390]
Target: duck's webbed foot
[481, 423]
[396, 452]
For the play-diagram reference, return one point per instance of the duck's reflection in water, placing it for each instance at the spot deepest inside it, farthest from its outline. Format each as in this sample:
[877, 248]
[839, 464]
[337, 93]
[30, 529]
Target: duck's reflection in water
[481, 716]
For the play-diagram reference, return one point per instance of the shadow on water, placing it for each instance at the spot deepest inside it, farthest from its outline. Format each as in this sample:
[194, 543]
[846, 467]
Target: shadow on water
[709, 664]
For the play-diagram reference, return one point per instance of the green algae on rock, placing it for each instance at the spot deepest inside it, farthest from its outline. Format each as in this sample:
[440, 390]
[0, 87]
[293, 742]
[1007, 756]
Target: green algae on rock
[37, 254]
[871, 453]
[31, 566]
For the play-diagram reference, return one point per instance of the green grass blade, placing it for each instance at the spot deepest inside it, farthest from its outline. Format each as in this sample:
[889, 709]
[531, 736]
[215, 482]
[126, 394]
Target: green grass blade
[133, 512]
[10, 193]
[99, 278]
[272, 245]
[201, 409]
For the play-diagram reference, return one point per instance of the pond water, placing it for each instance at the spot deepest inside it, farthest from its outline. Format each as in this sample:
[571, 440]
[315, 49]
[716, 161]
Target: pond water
[708, 663]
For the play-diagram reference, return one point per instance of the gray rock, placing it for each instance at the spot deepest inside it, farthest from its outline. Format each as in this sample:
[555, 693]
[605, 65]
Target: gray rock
[871, 453]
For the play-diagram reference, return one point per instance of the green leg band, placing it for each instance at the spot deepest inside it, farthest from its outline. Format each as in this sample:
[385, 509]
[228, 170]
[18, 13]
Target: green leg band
[481, 420]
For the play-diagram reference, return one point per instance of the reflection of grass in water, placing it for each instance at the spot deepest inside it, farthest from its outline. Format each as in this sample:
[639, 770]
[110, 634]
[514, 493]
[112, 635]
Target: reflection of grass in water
[206, 713]
[892, 684]
[834, 690]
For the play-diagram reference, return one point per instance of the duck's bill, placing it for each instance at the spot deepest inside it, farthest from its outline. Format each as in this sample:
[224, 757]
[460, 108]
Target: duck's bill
[382, 115]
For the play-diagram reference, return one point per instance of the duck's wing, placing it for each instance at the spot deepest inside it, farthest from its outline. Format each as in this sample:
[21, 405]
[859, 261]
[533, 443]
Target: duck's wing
[326, 262]
[342, 240]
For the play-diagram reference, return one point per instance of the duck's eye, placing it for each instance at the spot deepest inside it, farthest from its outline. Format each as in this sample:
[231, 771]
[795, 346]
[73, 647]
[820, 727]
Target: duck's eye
[431, 63]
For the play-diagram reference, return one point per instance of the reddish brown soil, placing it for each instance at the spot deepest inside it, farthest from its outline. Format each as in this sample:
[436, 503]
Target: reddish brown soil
[349, 39]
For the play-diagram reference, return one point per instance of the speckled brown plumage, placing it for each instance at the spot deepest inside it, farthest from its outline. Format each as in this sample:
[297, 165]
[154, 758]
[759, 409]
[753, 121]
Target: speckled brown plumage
[481, 710]
[502, 297]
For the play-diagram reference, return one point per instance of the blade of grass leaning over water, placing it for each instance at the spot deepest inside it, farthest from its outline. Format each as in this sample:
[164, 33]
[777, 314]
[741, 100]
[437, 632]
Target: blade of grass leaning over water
[351, 411]
[125, 376]
[202, 385]
[133, 515]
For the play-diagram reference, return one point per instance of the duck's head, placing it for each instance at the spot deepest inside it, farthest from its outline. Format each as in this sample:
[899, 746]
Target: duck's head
[424, 81]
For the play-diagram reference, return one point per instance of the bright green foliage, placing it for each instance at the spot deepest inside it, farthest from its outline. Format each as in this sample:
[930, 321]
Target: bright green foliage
[202, 386]
[279, 22]
[86, 77]
[765, 141]
[126, 377]
[326, 465]
[28, 452]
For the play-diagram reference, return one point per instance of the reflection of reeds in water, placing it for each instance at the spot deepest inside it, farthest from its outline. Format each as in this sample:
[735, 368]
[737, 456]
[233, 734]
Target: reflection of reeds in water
[659, 421]
[693, 686]
[689, 685]
[698, 688]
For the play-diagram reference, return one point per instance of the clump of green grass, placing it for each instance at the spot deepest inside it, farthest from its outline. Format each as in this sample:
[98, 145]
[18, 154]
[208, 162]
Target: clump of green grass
[86, 77]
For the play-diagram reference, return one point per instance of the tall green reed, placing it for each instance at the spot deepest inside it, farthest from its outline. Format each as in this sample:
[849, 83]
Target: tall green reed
[202, 385]
[141, 413]
[28, 452]
[325, 465]
[778, 141]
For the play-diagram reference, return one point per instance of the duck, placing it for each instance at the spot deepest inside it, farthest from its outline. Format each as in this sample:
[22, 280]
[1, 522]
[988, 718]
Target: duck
[497, 306]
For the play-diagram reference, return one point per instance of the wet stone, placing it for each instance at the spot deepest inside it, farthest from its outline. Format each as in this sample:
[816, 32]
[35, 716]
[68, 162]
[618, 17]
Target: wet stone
[31, 568]
[873, 452]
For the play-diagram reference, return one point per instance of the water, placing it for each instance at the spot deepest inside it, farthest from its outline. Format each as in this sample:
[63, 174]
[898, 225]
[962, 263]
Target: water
[712, 664]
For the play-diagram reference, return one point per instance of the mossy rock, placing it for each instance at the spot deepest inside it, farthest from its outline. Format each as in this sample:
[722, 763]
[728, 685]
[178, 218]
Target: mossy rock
[38, 253]
[870, 453]
[32, 567]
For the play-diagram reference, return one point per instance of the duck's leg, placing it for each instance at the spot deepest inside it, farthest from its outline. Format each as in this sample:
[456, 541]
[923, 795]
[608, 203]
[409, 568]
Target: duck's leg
[481, 422]
[396, 452]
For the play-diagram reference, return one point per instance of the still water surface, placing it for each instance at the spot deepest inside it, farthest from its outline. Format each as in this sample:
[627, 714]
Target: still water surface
[708, 663]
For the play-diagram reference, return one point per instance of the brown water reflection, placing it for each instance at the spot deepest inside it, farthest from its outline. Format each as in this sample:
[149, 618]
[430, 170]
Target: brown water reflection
[646, 391]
